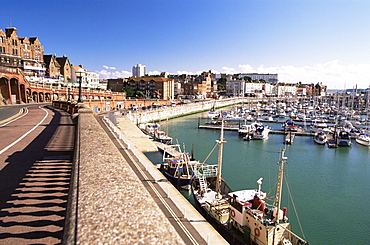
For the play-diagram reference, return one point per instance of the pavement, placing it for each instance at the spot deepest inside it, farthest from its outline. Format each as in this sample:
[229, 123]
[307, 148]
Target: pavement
[188, 214]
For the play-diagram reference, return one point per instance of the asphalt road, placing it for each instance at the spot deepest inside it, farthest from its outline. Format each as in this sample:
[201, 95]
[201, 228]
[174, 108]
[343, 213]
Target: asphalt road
[36, 152]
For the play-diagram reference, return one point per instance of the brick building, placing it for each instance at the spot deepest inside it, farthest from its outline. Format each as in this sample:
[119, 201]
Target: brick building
[58, 67]
[153, 87]
[21, 52]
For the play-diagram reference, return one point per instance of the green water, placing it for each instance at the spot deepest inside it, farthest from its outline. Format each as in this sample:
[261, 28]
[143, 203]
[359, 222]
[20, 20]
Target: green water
[330, 187]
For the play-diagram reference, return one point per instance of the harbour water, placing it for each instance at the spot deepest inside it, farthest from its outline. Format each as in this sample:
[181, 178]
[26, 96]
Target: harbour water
[330, 186]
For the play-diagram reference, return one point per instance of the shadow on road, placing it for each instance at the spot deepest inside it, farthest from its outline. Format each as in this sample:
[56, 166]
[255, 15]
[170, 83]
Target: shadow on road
[34, 186]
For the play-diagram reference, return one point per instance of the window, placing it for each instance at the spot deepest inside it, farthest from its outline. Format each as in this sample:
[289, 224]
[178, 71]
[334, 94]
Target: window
[14, 42]
[15, 52]
[1, 40]
[37, 57]
[2, 49]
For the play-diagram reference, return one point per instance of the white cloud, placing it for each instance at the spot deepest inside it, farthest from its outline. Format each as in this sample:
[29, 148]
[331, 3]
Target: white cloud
[104, 74]
[228, 70]
[109, 67]
[154, 73]
[332, 73]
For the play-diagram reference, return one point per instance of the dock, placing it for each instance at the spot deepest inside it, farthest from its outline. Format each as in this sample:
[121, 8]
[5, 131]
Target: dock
[236, 127]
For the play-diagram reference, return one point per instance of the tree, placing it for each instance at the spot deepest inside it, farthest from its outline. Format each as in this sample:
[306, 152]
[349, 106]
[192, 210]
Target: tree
[221, 83]
[140, 94]
[129, 91]
[248, 79]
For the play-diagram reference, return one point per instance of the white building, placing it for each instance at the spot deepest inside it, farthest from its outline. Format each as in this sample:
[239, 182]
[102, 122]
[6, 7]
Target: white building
[88, 80]
[254, 88]
[286, 90]
[139, 70]
[270, 78]
[240, 87]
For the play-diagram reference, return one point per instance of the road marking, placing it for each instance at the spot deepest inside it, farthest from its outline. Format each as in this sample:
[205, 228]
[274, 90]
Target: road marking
[2, 125]
[20, 138]
[170, 210]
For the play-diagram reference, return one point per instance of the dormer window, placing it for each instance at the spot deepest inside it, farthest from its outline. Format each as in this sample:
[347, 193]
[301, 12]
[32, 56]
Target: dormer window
[14, 42]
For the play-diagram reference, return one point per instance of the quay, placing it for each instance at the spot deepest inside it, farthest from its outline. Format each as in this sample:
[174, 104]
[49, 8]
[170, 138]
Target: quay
[117, 195]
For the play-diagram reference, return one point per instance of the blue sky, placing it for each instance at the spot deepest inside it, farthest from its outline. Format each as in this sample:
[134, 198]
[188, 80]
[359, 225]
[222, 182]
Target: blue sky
[302, 40]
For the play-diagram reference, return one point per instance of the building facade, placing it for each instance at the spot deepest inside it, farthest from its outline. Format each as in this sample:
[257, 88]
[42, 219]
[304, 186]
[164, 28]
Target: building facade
[21, 52]
[153, 87]
[270, 78]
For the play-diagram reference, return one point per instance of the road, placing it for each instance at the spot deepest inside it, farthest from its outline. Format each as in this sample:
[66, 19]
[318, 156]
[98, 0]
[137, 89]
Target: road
[36, 150]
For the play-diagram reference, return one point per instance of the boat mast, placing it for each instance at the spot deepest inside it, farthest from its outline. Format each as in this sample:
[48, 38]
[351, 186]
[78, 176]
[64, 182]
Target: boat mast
[280, 186]
[219, 160]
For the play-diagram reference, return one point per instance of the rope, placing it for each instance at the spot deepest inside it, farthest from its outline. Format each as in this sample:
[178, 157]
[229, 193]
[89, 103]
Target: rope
[209, 154]
[294, 208]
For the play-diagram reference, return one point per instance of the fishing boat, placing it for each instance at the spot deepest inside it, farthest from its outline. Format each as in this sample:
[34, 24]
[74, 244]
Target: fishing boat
[260, 222]
[152, 129]
[241, 217]
[320, 138]
[210, 193]
[178, 169]
[162, 137]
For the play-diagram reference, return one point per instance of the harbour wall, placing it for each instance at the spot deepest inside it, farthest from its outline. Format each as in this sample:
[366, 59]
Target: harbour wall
[181, 110]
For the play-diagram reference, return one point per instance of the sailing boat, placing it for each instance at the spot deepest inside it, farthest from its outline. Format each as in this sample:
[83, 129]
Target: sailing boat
[364, 138]
[259, 222]
[213, 113]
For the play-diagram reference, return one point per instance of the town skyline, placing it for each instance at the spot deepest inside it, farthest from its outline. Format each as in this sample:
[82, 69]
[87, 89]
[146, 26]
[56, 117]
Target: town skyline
[308, 42]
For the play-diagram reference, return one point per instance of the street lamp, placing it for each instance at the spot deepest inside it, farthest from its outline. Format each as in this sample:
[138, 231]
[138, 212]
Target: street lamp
[79, 75]
[69, 94]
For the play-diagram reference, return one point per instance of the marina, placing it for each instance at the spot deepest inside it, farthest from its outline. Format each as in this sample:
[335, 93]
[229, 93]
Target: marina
[319, 175]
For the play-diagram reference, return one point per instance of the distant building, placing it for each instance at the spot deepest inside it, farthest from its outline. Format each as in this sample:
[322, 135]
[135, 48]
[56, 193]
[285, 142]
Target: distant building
[270, 78]
[21, 52]
[116, 84]
[52, 66]
[200, 85]
[88, 80]
[139, 70]
[153, 87]
[286, 90]
[58, 67]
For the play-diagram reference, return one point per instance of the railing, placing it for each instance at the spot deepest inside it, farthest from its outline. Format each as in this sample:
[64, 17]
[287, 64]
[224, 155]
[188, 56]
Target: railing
[204, 170]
